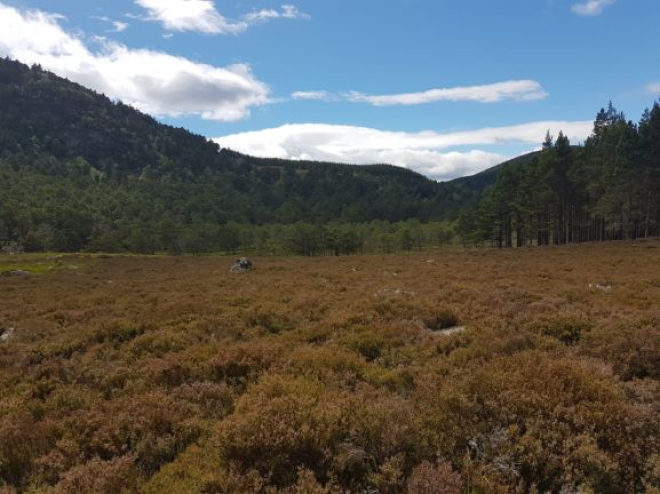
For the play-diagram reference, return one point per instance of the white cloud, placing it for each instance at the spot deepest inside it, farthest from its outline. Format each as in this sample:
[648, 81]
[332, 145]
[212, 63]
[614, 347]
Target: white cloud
[202, 16]
[510, 90]
[492, 93]
[119, 26]
[190, 15]
[591, 7]
[312, 95]
[287, 12]
[429, 153]
[152, 81]
[653, 88]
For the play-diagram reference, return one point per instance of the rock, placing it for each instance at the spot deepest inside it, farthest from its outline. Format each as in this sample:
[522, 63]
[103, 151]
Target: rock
[440, 332]
[450, 331]
[15, 272]
[11, 249]
[394, 292]
[6, 334]
[241, 266]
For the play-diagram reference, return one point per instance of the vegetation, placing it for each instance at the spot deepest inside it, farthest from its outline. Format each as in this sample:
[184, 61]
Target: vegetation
[83, 173]
[335, 374]
[607, 190]
[534, 371]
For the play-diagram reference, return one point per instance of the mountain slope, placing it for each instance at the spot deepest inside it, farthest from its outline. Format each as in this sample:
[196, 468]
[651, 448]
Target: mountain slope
[65, 149]
[479, 181]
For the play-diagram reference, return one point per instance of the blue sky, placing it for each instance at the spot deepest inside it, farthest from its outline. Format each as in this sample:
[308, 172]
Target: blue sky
[443, 87]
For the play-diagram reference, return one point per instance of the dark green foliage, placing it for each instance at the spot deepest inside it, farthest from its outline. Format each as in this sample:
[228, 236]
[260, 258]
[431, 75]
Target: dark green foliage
[478, 182]
[607, 190]
[81, 172]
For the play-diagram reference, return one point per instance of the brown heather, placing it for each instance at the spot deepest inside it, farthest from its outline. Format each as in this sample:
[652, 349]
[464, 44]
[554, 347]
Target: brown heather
[332, 375]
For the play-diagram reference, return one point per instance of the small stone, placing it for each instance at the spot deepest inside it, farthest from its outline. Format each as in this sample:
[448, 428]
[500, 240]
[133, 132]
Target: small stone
[450, 331]
[6, 334]
[241, 266]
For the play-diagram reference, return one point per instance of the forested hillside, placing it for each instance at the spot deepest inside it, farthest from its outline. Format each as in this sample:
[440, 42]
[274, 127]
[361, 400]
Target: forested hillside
[81, 172]
[607, 190]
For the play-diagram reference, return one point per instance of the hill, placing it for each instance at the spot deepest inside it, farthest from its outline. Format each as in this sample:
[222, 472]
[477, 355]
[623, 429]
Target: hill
[480, 181]
[80, 167]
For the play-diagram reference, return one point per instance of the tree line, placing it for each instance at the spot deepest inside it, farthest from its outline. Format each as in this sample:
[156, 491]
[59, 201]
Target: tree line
[53, 205]
[608, 189]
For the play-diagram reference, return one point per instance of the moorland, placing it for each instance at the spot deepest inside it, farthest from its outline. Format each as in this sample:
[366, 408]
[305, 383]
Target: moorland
[444, 371]
[533, 368]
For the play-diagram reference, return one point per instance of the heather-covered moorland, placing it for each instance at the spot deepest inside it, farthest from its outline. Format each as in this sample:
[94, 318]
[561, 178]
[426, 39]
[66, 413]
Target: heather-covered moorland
[449, 371]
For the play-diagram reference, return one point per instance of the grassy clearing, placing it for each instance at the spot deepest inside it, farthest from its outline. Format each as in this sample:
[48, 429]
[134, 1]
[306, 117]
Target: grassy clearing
[318, 375]
[39, 264]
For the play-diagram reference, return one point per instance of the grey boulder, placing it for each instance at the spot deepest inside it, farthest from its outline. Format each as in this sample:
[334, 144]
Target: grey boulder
[241, 265]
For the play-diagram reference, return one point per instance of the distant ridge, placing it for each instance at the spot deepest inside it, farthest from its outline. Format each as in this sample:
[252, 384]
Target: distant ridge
[47, 114]
[479, 181]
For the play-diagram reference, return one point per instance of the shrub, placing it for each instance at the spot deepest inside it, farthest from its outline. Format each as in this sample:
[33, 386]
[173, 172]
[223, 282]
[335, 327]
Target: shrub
[280, 424]
[116, 476]
[427, 478]
[568, 331]
[441, 319]
[307, 484]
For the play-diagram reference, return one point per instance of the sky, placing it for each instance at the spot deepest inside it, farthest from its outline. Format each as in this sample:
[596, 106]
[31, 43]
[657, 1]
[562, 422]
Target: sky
[444, 87]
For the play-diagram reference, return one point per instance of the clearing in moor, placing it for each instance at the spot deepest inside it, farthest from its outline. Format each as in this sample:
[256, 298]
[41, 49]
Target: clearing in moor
[446, 371]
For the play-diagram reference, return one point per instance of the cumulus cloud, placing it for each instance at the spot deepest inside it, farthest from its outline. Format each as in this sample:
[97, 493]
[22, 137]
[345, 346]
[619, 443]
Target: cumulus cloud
[591, 7]
[202, 16]
[189, 15]
[429, 153]
[524, 90]
[653, 88]
[152, 81]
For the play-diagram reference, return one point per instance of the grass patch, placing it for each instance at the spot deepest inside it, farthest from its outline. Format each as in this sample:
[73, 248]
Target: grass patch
[40, 265]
